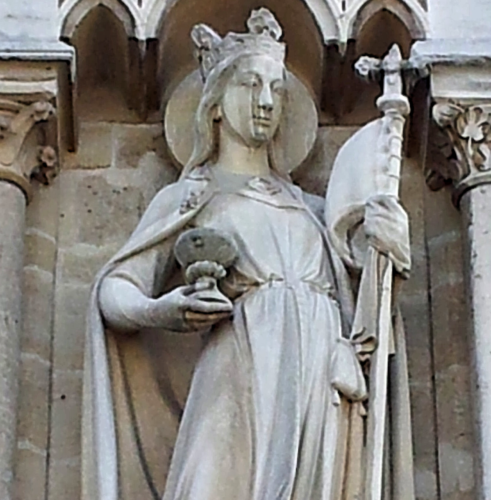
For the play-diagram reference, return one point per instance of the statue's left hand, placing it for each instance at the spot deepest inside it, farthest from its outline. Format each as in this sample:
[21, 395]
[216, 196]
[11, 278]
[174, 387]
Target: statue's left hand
[387, 229]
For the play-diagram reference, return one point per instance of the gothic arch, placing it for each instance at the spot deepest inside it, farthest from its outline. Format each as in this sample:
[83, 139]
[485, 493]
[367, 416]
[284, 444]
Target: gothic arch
[73, 13]
[103, 35]
[324, 13]
[409, 12]
[307, 25]
[370, 27]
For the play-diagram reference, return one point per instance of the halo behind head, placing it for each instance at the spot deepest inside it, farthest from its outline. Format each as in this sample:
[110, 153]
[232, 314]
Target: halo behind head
[292, 144]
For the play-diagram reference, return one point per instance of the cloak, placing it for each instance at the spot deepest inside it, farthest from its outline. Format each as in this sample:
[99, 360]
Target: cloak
[135, 384]
[130, 413]
[122, 406]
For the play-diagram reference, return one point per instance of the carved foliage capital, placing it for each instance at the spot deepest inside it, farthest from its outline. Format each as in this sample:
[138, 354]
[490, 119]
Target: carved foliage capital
[468, 130]
[17, 119]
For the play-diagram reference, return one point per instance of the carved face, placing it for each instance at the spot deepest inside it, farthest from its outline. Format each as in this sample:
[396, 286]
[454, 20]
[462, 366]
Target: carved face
[253, 99]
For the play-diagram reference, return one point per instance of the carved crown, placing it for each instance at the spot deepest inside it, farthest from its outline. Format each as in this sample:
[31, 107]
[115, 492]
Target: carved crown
[262, 38]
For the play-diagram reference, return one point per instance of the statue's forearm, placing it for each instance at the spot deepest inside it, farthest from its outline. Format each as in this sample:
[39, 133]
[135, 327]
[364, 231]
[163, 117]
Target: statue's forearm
[125, 307]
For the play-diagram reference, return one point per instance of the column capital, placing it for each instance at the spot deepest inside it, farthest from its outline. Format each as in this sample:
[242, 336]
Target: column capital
[460, 86]
[467, 128]
[28, 122]
[22, 160]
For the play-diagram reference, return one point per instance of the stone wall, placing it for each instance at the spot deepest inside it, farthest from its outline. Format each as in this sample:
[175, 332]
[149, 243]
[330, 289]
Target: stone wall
[434, 308]
[81, 219]
[74, 227]
[78, 222]
[451, 348]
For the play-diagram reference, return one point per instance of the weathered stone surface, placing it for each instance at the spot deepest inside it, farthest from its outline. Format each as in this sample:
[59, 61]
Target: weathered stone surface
[40, 249]
[441, 216]
[451, 352]
[69, 332]
[109, 211]
[459, 467]
[37, 310]
[12, 205]
[102, 212]
[152, 175]
[33, 428]
[32, 424]
[30, 472]
[64, 479]
[66, 409]
[415, 308]
[132, 143]
[65, 442]
[22, 20]
[42, 213]
[475, 207]
[95, 147]
[425, 481]
[79, 263]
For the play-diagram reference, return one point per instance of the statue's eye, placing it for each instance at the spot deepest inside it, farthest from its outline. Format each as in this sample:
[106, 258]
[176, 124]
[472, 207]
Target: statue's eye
[251, 82]
[278, 88]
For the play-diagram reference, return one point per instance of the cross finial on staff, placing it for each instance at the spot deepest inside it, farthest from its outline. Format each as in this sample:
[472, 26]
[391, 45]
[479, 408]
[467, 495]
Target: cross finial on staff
[392, 67]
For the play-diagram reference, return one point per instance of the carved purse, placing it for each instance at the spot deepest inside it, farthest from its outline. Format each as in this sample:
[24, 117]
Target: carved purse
[346, 374]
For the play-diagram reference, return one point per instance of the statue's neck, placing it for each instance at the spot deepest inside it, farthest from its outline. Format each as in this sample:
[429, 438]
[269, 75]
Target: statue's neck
[236, 157]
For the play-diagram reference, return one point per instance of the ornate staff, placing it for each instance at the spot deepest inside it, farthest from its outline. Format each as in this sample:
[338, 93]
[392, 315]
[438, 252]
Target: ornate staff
[369, 229]
[395, 107]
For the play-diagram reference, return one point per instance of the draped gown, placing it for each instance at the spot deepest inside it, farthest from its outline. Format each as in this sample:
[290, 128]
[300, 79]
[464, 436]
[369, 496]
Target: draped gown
[261, 421]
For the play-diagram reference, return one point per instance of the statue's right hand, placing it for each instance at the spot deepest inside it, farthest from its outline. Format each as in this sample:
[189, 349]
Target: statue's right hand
[180, 310]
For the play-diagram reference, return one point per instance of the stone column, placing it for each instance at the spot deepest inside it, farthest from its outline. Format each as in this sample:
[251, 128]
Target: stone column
[460, 85]
[21, 157]
[468, 127]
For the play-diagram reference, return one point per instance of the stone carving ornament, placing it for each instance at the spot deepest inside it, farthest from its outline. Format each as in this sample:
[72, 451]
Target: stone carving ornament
[468, 128]
[275, 406]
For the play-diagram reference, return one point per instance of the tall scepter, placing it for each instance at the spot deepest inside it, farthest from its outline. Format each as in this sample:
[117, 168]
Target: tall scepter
[369, 230]
[395, 108]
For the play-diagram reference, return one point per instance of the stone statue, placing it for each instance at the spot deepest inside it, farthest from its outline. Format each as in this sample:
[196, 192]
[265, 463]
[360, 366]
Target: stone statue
[276, 403]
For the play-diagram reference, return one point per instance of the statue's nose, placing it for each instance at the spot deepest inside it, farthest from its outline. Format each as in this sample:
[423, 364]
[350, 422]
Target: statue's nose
[266, 98]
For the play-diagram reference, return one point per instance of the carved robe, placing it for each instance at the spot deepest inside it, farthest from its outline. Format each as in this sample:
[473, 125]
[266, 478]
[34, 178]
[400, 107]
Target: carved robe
[262, 418]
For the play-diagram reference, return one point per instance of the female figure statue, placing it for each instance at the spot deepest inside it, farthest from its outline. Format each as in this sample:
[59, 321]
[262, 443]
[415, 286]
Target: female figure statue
[263, 419]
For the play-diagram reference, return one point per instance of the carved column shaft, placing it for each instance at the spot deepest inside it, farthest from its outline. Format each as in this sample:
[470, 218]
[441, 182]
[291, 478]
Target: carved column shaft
[476, 211]
[12, 207]
[468, 128]
[20, 159]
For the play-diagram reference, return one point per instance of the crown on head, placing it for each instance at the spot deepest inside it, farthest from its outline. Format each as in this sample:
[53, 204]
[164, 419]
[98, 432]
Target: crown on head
[262, 38]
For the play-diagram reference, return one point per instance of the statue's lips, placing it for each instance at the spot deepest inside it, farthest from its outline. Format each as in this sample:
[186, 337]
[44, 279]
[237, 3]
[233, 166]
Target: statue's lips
[264, 121]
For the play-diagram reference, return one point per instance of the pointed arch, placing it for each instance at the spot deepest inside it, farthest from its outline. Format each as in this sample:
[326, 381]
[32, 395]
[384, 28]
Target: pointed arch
[74, 11]
[324, 13]
[105, 62]
[307, 25]
[409, 12]
[154, 16]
